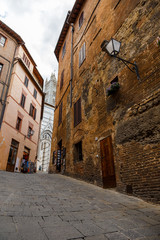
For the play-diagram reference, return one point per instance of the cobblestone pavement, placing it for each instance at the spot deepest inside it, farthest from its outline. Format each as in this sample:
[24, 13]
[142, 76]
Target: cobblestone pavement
[55, 207]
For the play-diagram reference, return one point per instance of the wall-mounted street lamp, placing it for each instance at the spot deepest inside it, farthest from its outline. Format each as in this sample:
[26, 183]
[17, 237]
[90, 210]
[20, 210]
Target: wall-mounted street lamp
[112, 47]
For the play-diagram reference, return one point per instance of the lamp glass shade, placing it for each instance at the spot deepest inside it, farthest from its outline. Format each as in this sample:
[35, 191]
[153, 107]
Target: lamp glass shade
[109, 47]
[113, 47]
[116, 46]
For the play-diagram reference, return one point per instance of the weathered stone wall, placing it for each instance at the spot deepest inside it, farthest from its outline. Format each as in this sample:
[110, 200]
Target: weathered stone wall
[130, 116]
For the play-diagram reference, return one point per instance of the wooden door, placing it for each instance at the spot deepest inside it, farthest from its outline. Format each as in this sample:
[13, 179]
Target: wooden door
[107, 161]
[12, 156]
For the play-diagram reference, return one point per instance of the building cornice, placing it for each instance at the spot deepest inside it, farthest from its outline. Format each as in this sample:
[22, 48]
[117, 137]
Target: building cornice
[11, 32]
[71, 18]
[38, 85]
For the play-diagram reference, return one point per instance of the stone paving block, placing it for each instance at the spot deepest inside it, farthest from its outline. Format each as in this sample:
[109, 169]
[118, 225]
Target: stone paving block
[97, 237]
[153, 231]
[51, 221]
[6, 219]
[67, 216]
[108, 226]
[26, 220]
[88, 228]
[6, 227]
[31, 231]
[62, 233]
[10, 236]
[132, 234]
[116, 236]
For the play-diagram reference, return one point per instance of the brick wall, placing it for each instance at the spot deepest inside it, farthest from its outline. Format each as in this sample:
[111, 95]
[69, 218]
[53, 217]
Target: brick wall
[130, 116]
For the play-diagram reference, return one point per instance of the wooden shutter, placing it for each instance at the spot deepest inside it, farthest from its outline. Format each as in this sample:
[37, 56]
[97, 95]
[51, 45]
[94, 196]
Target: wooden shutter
[60, 114]
[35, 111]
[30, 110]
[77, 112]
[83, 52]
[62, 78]
[23, 98]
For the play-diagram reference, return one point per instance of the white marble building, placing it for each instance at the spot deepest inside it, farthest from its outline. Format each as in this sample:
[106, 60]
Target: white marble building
[44, 147]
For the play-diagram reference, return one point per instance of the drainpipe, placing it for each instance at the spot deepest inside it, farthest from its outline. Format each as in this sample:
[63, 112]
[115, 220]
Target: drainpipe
[9, 80]
[72, 30]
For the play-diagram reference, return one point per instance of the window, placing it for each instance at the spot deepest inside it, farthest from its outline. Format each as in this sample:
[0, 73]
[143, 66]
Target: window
[29, 134]
[25, 59]
[62, 78]
[1, 66]
[64, 50]
[82, 54]
[2, 40]
[32, 111]
[81, 19]
[18, 123]
[78, 152]
[60, 115]
[26, 81]
[77, 112]
[35, 93]
[23, 99]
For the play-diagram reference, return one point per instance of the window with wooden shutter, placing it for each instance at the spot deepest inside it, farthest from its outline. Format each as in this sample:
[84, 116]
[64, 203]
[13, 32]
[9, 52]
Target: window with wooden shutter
[64, 50]
[35, 112]
[26, 81]
[35, 93]
[2, 40]
[81, 19]
[18, 123]
[32, 111]
[1, 66]
[60, 114]
[82, 54]
[62, 79]
[77, 112]
[23, 99]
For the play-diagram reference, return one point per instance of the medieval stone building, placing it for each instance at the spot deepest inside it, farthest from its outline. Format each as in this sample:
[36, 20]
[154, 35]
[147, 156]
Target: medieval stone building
[107, 117]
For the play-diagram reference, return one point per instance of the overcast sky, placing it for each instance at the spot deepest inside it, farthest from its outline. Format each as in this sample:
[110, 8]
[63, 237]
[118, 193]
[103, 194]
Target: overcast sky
[39, 23]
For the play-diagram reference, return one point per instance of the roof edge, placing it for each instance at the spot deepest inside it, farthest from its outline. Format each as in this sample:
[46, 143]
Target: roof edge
[71, 18]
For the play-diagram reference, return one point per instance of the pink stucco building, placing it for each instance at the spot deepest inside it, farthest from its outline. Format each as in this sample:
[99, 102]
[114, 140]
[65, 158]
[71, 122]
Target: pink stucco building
[21, 100]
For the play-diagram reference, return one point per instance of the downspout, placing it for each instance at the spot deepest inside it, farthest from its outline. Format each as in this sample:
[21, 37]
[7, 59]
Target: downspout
[9, 80]
[72, 30]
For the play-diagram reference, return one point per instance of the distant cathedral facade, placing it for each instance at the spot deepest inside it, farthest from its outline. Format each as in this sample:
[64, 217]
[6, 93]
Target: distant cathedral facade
[44, 147]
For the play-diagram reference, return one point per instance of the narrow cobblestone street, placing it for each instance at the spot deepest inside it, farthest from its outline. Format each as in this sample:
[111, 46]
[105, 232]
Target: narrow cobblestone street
[55, 207]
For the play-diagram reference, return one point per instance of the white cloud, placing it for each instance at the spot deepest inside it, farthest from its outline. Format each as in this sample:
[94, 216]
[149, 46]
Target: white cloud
[39, 24]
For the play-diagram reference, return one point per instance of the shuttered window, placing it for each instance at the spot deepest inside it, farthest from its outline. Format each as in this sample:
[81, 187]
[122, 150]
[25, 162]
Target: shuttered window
[26, 81]
[2, 40]
[62, 79]
[81, 19]
[64, 50]
[32, 111]
[60, 114]
[35, 93]
[23, 99]
[1, 66]
[18, 123]
[82, 54]
[77, 112]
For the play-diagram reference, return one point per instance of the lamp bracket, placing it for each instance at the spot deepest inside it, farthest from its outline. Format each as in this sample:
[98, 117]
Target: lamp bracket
[127, 63]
